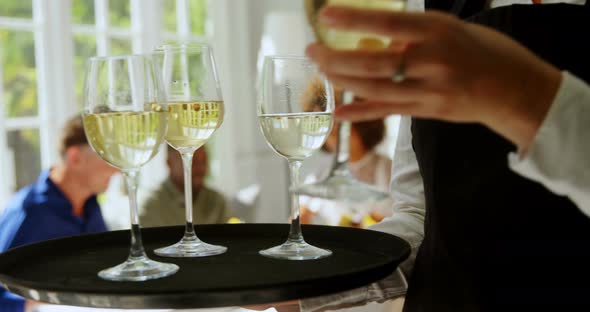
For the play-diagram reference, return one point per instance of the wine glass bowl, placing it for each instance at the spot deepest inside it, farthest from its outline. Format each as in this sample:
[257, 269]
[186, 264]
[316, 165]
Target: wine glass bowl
[295, 108]
[296, 136]
[125, 119]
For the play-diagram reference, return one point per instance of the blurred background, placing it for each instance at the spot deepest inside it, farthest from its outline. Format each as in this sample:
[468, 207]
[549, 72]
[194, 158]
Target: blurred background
[43, 48]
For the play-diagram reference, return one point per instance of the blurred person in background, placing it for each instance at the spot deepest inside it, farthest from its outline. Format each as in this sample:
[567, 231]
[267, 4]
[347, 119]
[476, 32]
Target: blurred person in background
[62, 202]
[165, 206]
[366, 164]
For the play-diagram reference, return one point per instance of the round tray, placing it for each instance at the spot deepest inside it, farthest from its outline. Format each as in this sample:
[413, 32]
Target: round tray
[64, 271]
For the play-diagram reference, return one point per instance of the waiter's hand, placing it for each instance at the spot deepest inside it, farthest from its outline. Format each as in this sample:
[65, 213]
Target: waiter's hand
[31, 306]
[454, 71]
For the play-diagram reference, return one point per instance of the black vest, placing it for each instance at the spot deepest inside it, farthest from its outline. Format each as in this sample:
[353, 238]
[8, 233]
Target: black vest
[495, 241]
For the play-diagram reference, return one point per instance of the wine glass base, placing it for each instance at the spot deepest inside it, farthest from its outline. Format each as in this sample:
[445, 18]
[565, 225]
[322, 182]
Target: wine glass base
[296, 251]
[138, 269]
[342, 188]
[188, 248]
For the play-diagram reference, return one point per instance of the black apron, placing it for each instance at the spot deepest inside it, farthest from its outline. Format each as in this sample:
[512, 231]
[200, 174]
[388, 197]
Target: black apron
[495, 241]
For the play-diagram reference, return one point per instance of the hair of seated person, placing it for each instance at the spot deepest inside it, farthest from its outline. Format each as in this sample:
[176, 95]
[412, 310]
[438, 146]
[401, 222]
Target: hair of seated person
[72, 134]
[371, 132]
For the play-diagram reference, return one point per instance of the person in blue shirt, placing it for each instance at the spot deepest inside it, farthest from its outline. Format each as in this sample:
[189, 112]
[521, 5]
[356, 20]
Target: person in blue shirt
[62, 202]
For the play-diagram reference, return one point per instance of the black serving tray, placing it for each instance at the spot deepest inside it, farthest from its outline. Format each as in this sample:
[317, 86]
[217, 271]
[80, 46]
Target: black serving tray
[64, 271]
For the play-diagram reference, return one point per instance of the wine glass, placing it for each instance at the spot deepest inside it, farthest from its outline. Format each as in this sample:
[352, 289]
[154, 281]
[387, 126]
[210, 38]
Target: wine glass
[340, 183]
[195, 107]
[294, 127]
[125, 120]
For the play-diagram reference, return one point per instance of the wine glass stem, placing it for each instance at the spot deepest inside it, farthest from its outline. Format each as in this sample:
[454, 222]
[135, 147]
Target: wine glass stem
[340, 166]
[136, 250]
[295, 231]
[187, 164]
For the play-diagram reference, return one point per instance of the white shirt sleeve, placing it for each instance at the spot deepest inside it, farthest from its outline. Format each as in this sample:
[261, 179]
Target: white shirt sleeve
[407, 189]
[559, 157]
[407, 222]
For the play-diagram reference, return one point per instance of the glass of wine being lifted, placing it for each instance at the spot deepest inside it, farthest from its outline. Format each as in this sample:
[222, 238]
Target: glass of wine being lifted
[340, 184]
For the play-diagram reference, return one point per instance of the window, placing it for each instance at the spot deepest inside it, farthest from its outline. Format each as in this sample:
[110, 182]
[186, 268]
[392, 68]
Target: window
[19, 115]
[43, 49]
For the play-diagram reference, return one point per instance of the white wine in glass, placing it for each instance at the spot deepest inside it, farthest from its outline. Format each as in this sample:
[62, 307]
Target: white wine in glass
[196, 109]
[294, 128]
[191, 124]
[125, 120]
[340, 183]
[296, 136]
[126, 140]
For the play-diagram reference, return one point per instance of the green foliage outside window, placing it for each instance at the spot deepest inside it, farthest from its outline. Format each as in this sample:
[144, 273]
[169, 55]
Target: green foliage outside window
[16, 8]
[198, 15]
[19, 77]
[119, 13]
[82, 12]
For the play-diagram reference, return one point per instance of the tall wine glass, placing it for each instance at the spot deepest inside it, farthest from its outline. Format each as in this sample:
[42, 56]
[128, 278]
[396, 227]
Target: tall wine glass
[340, 183]
[125, 120]
[294, 128]
[196, 110]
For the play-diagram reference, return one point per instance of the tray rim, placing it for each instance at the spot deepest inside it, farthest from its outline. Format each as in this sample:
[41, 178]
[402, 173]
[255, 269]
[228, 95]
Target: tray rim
[191, 299]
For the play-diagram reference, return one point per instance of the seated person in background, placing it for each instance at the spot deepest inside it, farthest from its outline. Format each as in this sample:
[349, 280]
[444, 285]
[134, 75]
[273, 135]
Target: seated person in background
[62, 202]
[368, 166]
[166, 207]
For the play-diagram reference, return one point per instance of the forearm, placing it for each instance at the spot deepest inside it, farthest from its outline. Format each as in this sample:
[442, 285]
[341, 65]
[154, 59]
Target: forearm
[406, 223]
[524, 100]
[392, 287]
[409, 226]
[558, 156]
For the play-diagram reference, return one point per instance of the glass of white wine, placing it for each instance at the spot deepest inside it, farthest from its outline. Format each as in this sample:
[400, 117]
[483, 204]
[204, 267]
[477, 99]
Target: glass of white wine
[125, 120]
[340, 183]
[196, 109]
[295, 108]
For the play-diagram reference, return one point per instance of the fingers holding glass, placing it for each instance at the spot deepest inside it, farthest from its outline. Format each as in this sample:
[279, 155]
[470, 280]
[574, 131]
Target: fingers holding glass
[361, 64]
[389, 23]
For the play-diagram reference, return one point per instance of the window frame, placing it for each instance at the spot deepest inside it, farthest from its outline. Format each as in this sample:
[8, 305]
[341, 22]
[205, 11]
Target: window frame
[34, 24]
